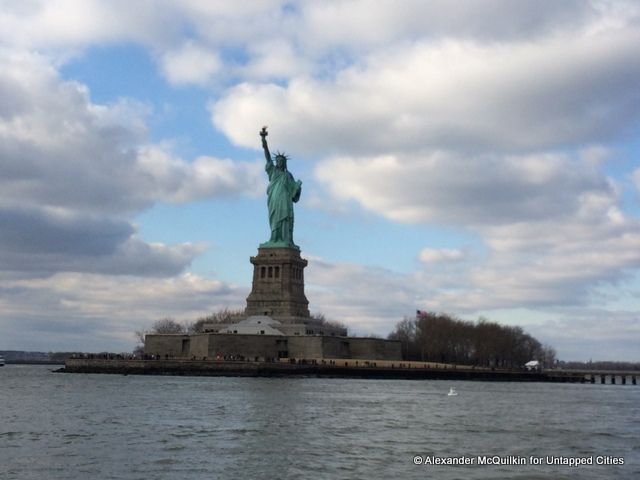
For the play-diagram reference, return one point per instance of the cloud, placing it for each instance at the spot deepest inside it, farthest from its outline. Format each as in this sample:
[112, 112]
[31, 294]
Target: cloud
[64, 29]
[75, 171]
[60, 149]
[167, 178]
[636, 179]
[454, 95]
[550, 227]
[69, 24]
[367, 299]
[275, 60]
[190, 64]
[40, 23]
[591, 334]
[558, 263]
[330, 34]
[454, 189]
[437, 255]
[88, 312]
[31, 231]
[361, 24]
[40, 242]
[541, 264]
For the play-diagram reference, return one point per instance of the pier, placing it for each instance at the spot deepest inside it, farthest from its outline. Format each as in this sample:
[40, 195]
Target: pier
[603, 377]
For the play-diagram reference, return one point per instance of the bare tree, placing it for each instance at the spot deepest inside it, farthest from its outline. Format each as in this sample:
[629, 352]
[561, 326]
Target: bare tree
[222, 316]
[548, 359]
[320, 317]
[405, 332]
[167, 325]
[164, 325]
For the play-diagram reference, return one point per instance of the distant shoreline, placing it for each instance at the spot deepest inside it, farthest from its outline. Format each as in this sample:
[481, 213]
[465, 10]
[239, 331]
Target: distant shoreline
[33, 362]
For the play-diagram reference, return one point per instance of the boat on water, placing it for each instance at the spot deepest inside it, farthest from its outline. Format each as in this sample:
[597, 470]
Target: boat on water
[452, 392]
[1, 361]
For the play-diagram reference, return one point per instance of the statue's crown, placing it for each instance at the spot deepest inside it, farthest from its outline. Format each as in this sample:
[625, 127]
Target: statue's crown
[280, 154]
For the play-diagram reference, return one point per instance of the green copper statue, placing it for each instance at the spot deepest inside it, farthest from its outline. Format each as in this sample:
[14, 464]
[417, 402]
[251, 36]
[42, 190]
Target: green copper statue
[282, 192]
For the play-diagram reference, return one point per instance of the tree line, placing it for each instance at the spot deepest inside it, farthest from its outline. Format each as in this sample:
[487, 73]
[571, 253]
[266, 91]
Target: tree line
[440, 337]
[600, 365]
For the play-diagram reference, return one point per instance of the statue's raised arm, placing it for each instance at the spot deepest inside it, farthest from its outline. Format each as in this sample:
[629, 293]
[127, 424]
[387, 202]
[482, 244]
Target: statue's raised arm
[265, 147]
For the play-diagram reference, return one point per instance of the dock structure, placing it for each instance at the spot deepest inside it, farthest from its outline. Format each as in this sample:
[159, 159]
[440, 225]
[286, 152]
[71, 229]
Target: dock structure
[602, 377]
[611, 376]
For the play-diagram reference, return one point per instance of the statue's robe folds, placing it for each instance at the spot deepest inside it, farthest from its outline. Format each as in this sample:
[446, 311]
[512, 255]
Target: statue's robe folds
[282, 192]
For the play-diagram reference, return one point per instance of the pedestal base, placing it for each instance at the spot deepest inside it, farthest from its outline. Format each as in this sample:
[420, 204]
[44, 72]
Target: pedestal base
[278, 284]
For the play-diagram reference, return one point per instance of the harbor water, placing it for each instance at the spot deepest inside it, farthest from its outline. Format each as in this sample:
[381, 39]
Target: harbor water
[73, 426]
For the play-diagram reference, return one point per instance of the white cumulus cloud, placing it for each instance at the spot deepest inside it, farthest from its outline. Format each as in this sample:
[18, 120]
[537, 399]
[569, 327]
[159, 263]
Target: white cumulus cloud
[75, 171]
[436, 255]
[191, 64]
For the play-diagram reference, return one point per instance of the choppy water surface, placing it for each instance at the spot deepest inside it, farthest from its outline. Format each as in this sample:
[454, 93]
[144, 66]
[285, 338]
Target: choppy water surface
[75, 426]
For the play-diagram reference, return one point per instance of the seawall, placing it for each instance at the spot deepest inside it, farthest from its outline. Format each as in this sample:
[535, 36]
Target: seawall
[314, 368]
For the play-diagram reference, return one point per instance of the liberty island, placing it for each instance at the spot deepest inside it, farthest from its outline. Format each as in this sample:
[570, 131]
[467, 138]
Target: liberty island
[276, 334]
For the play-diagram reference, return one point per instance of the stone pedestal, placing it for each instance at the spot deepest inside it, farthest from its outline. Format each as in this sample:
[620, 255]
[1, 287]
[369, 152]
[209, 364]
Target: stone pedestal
[278, 285]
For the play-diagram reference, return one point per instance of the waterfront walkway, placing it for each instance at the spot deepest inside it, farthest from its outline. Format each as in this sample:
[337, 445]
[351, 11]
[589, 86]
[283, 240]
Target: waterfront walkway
[347, 368]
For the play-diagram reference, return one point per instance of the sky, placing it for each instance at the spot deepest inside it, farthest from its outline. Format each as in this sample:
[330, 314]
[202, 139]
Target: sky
[479, 158]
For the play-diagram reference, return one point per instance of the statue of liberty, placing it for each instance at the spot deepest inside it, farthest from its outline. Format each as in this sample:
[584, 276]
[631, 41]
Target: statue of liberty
[282, 192]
